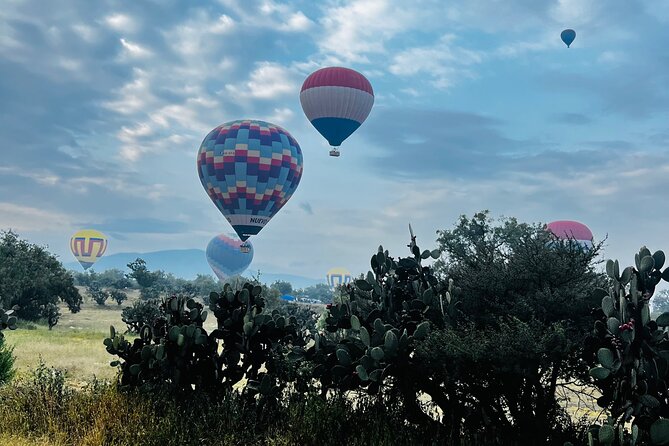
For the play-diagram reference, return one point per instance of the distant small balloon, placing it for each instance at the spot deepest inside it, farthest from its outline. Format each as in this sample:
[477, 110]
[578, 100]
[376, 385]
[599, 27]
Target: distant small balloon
[572, 230]
[88, 246]
[338, 276]
[288, 298]
[225, 258]
[568, 36]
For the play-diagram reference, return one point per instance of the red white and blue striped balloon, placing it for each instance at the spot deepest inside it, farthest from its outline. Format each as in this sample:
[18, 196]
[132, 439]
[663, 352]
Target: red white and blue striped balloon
[337, 101]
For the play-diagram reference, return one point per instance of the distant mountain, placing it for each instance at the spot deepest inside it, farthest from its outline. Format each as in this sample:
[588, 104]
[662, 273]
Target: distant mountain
[185, 263]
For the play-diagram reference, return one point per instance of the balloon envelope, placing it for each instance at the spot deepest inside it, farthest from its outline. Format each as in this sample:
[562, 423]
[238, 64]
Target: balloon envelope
[572, 230]
[338, 276]
[568, 36]
[249, 169]
[336, 101]
[88, 246]
[225, 256]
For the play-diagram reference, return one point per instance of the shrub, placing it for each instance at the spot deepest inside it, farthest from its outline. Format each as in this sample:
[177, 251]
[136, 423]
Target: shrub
[6, 362]
[141, 313]
[32, 279]
[98, 294]
[118, 296]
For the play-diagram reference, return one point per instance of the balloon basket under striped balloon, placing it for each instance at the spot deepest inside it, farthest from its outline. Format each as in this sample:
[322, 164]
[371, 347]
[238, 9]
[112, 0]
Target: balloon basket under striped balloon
[334, 152]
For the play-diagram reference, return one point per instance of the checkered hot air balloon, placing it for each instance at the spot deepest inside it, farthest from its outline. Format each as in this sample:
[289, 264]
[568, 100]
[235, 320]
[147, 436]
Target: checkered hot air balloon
[572, 230]
[249, 169]
[225, 257]
[336, 101]
[88, 246]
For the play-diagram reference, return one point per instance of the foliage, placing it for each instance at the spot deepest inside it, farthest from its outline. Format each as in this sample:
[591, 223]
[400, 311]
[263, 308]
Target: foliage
[631, 353]
[283, 287]
[32, 280]
[141, 313]
[371, 336]
[98, 295]
[7, 321]
[118, 296]
[6, 362]
[523, 312]
[320, 292]
[111, 278]
[100, 414]
[177, 351]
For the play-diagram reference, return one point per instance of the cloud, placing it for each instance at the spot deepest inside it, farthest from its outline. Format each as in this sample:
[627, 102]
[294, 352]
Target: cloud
[144, 225]
[268, 80]
[444, 62]
[134, 50]
[121, 22]
[354, 29]
[275, 16]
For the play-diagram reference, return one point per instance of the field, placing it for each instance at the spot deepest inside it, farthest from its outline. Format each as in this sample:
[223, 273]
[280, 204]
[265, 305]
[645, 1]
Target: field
[75, 344]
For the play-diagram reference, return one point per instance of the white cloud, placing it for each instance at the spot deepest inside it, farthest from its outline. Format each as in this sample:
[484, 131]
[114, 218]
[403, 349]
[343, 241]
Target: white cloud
[274, 15]
[87, 33]
[134, 50]
[24, 218]
[134, 96]
[354, 29]
[281, 116]
[268, 80]
[121, 22]
[444, 62]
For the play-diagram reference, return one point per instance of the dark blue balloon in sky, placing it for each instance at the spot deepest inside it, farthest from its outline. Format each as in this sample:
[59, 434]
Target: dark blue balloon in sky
[568, 36]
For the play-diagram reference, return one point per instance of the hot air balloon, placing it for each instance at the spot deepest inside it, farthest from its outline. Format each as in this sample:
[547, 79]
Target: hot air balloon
[338, 276]
[568, 230]
[337, 101]
[249, 169]
[225, 257]
[288, 298]
[568, 36]
[88, 246]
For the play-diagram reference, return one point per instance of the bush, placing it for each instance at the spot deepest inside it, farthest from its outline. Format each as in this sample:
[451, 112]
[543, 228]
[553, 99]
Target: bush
[98, 294]
[99, 414]
[6, 362]
[33, 280]
[118, 296]
[141, 313]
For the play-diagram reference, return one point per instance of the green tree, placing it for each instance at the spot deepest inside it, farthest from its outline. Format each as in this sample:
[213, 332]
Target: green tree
[283, 287]
[320, 292]
[523, 313]
[33, 280]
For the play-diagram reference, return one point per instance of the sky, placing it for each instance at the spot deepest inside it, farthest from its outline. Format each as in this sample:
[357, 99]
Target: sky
[478, 105]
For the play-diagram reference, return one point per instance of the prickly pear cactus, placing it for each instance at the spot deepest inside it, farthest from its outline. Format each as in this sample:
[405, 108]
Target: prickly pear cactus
[632, 355]
[178, 351]
[370, 336]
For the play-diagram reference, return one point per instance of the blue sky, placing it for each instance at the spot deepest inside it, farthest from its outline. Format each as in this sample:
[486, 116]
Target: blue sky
[479, 105]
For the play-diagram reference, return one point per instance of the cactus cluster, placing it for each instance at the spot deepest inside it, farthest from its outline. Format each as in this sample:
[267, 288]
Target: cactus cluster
[632, 355]
[369, 337]
[7, 320]
[176, 349]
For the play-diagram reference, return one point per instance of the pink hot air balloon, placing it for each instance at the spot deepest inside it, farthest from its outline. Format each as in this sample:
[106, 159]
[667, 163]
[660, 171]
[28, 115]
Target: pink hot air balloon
[572, 230]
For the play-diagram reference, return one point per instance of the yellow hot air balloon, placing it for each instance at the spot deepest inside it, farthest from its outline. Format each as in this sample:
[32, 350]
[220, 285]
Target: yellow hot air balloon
[338, 276]
[88, 246]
